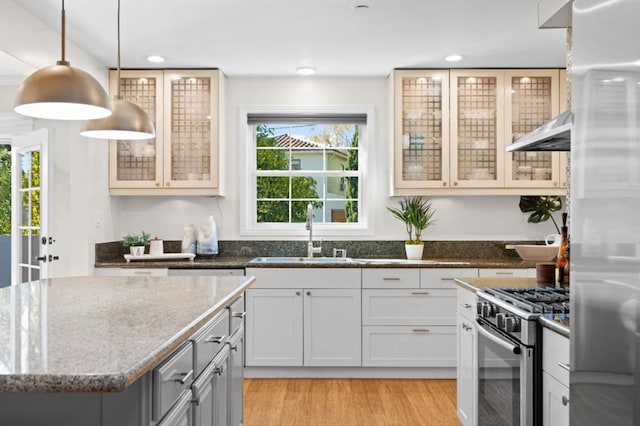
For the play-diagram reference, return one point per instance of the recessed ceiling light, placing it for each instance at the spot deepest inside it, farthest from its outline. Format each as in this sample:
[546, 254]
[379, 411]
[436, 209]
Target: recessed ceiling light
[453, 58]
[306, 70]
[155, 58]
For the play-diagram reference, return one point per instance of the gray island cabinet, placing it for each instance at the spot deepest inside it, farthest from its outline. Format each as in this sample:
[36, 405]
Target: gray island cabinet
[107, 351]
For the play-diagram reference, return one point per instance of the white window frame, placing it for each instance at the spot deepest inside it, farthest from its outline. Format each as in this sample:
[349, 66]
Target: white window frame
[248, 223]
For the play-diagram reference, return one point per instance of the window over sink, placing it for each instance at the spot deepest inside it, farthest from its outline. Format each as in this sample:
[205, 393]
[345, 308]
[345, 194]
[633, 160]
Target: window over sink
[295, 158]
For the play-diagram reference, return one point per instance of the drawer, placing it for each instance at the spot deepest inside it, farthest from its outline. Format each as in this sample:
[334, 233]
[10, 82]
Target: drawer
[391, 278]
[236, 314]
[555, 355]
[171, 379]
[409, 346]
[504, 272]
[181, 413]
[408, 307]
[295, 278]
[210, 340]
[466, 303]
[443, 277]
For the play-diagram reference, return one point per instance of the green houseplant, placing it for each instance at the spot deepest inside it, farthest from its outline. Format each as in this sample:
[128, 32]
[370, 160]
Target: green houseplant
[136, 243]
[540, 208]
[417, 214]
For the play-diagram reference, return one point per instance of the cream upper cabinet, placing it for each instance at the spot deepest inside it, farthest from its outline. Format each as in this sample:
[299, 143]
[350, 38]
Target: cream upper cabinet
[564, 101]
[477, 142]
[421, 131]
[452, 128]
[531, 100]
[184, 159]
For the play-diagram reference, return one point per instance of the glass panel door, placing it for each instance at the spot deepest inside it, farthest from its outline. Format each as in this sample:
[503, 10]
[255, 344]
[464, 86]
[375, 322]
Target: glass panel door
[29, 231]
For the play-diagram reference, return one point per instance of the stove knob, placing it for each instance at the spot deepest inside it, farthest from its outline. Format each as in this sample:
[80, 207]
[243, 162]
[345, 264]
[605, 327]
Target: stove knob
[488, 310]
[511, 324]
[479, 308]
[500, 320]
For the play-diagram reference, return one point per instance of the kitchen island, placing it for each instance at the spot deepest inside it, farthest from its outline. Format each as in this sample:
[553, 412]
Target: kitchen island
[84, 349]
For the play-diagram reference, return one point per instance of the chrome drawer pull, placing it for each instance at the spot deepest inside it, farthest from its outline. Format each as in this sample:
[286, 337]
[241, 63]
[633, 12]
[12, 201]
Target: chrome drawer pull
[417, 293]
[420, 330]
[390, 279]
[240, 315]
[466, 327]
[219, 370]
[565, 400]
[447, 279]
[141, 272]
[185, 377]
[503, 273]
[213, 339]
[564, 366]
[465, 305]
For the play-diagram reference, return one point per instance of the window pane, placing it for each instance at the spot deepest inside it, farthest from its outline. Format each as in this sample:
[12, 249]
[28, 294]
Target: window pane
[342, 211]
[273, 211]
[299, 211]
[306, 187]
[272, 159]
[272, 187]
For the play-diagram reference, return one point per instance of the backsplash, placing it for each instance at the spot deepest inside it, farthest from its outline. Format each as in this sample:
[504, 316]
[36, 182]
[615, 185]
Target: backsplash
[114, 250]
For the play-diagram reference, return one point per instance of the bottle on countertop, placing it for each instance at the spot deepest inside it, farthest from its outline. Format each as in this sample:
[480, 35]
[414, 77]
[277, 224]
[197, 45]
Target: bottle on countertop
[565, 278]
[207, 238]
[189, 239]
[562, 261]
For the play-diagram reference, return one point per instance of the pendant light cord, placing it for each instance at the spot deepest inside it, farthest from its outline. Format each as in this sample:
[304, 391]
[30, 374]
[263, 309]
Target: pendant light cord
[118, 80]
[63, 61]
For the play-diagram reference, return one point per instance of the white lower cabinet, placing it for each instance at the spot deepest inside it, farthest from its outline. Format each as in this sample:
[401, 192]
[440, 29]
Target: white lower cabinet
[467, 392]
[555, 379]
[408, 346]
[318, 327]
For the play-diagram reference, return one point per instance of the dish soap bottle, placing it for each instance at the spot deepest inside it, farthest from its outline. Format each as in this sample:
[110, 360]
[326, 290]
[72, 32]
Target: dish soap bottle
[207, 238]
[189, 239]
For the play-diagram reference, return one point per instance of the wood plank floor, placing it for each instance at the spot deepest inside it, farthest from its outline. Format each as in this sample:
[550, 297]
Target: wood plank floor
[350, 402]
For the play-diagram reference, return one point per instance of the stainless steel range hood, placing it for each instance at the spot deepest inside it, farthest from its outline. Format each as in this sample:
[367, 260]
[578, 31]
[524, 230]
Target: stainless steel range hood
[554, 135]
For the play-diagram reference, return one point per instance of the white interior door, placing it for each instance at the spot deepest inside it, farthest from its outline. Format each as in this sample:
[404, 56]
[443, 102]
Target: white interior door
[30, 234]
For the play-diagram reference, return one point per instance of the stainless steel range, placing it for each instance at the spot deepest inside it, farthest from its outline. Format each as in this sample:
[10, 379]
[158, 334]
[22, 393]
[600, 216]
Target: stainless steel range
[510, 355]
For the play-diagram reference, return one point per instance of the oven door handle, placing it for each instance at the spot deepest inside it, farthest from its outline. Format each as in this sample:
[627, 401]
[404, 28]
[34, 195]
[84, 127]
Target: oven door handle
[498, 340]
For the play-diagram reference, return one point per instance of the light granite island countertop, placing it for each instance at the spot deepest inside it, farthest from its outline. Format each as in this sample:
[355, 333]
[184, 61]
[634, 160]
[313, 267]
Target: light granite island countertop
[101, 334]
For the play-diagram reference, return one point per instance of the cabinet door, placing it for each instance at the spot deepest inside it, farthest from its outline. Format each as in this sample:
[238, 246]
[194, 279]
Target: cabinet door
[274, 327]
[555, 402]
[531, 100]
[477, 130]
[181, 414]
[236, 378]
[564, 99]
[191, 141]
[138, 164]
[421, 134]
[332, 327]
[466, 372]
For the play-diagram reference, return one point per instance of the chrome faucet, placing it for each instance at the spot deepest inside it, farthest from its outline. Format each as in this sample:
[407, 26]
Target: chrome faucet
[311, 250]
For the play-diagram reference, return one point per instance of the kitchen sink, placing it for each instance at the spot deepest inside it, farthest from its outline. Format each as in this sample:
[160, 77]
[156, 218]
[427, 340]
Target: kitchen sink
[277, 259]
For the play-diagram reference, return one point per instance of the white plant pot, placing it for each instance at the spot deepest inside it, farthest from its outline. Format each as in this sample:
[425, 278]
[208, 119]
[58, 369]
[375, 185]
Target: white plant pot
[414, 251]
[136, 250]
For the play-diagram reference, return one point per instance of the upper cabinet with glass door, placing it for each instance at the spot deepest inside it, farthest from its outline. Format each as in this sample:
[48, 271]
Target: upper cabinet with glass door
[477, 114]
[532, 100]
[184, 158]
[421, 130]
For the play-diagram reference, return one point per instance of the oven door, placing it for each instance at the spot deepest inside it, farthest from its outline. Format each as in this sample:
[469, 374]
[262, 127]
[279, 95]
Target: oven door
[505, 372]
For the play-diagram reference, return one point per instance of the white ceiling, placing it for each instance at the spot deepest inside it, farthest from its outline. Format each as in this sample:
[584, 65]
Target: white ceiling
[273, 37]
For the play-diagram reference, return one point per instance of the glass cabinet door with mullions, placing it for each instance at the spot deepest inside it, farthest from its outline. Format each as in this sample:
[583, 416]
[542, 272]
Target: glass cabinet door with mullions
[477, 148]
[531, 100]
[421, 129]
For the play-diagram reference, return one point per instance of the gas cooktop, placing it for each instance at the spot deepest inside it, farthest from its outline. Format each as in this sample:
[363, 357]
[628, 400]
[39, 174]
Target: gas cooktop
[534, 300]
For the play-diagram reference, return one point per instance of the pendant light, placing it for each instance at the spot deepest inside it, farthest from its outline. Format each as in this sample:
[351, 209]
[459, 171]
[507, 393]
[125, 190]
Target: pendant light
[128, 121]
[61, 92]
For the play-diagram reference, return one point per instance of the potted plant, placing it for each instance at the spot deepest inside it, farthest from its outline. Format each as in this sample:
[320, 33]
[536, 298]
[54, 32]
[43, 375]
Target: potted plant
[540, 208]
[417, 215]
[136, 243]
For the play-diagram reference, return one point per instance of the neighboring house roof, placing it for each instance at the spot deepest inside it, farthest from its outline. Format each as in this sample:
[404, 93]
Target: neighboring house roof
[288, 141]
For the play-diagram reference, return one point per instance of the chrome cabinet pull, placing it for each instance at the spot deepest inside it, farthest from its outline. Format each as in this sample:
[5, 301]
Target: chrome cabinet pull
[447, 279]
[420, 330]
[390, 279]
[418, 293]
[141, 272]
[564, 366]
[240, 315]
[565, 400]
[216, 339]
[184, 378]
[219, 370]
[503, 273]
[308, 293]
[466, 327]
[297, 293]
[465, 305]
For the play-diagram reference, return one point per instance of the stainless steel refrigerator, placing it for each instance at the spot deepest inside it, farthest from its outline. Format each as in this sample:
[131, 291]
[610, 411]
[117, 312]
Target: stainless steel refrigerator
[605, 213]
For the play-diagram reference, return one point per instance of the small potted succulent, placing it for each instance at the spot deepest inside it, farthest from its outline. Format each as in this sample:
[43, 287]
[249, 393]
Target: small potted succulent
[417, 215]
[136, 243]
